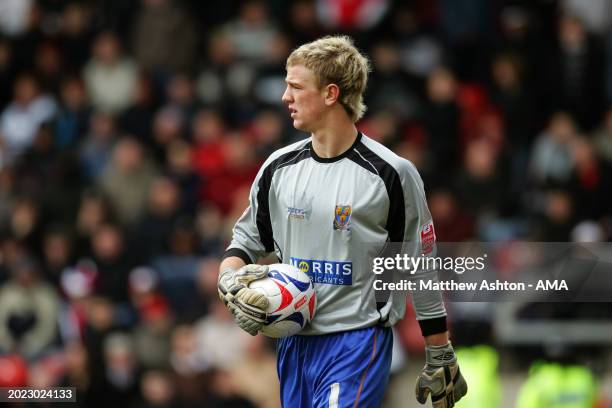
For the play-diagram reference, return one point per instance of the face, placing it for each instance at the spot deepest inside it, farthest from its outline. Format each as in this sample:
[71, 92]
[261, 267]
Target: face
[305, 100]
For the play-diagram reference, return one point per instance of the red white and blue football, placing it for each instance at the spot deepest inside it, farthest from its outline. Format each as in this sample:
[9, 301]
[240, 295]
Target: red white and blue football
[292, 300]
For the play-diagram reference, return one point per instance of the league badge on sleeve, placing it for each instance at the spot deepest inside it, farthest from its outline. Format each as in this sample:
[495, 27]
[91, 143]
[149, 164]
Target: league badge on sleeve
[428, 238]
[342, 217]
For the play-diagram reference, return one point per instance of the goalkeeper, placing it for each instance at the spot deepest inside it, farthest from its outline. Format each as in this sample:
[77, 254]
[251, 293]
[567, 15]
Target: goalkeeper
[314, 204]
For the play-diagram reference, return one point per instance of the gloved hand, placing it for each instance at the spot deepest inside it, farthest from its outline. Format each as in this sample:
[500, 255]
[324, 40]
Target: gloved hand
[247, 305]
[440, 377]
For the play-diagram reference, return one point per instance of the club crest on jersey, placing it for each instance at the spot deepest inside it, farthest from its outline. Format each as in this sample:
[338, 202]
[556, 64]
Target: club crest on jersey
[342, 217]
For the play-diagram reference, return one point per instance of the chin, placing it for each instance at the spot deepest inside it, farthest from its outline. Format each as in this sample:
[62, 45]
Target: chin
[299, 125]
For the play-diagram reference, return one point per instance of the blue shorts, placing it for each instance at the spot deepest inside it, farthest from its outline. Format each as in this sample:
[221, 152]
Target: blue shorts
[341, 370]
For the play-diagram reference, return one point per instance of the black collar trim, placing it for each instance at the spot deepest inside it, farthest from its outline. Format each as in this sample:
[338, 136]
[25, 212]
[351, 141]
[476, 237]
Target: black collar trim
[319, 159]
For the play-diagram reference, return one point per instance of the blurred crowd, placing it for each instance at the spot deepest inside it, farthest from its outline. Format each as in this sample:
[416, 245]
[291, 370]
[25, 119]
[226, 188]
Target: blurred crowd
[130, 132]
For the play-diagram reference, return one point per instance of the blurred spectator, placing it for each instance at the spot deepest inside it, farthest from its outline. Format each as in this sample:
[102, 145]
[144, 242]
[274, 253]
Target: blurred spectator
[412, 147]
[28, 311]
[25, 223]
[602, 138]
[167, 128]
[99, 322]
[206, 287]
[575, 73]
[441, 118]
[550, 161]
[137, 119]
[221, 80]
[126, 180]
[465, 25]
[208, 134]
[590, 182]
[479, 185]
[557, 217]
[180, 95]
[349, 15]
[75, 35]
[28, 38]
[58, 253]
[389, 88]
[49, 66]
[252, 33]
[594, 13]
[72, 119]
[420, 51]
[15, 16]
[451, 221]
[94, 211]
[36, 162]
[20, 121]
[267, 132]
[588, 232]
[225, 393]
[47, 371]
[269, 80]
[221, 343]
[14, 370]
[6, 71]
[78, 374]
[255, 376]
[186, 358]
[77, 284]
[152, 231]
[158, 390]
[180, 170]
[158, 27]
[383, 125]
[302, 23]
[152, 333]
[122, 372]
[210, 225]
[178, 264]
[7, 190]
[12, 252]
[511, 96]
[112, 262]
[110, 76]
[96, 148]
[238, 169]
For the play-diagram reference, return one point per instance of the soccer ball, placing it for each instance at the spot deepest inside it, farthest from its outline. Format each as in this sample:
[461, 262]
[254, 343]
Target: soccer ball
[292, 300]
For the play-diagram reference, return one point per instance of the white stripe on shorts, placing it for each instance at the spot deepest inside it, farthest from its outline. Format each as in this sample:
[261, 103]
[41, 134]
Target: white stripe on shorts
[334, 393]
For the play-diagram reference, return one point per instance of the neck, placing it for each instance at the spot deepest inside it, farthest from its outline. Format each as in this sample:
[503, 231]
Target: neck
[334, 138]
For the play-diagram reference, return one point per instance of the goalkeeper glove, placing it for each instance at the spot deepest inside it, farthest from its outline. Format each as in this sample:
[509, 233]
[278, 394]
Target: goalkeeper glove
[247, 305]
[440, 377]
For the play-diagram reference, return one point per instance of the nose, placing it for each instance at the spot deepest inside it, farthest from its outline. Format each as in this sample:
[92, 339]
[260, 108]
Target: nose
[286, 98]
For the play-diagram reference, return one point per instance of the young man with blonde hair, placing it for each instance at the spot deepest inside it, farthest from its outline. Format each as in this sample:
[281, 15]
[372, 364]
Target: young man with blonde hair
[316, 204]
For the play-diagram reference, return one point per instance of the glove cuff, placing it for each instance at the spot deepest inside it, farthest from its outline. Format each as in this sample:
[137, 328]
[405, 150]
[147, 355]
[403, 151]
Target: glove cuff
[438, 356]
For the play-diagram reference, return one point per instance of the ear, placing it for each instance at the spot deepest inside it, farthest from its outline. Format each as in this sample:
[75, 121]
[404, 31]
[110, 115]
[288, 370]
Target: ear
[332, 94]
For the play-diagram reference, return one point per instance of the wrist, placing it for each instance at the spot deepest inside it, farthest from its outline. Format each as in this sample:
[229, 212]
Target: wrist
[438, 339]
[440, 355]
[227, 271]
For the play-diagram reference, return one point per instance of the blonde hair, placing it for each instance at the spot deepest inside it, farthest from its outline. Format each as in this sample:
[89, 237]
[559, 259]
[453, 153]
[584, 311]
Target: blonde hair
[335, 60]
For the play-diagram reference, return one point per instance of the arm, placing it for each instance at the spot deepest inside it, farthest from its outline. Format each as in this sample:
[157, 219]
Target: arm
[440, 376]
[438, 339]
[231, 262]
[250, 241]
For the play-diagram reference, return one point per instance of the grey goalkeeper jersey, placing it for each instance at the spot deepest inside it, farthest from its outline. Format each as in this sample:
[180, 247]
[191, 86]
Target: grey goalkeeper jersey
[329, 217]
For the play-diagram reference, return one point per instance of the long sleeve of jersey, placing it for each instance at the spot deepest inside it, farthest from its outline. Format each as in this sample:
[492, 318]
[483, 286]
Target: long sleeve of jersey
[419, 239]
